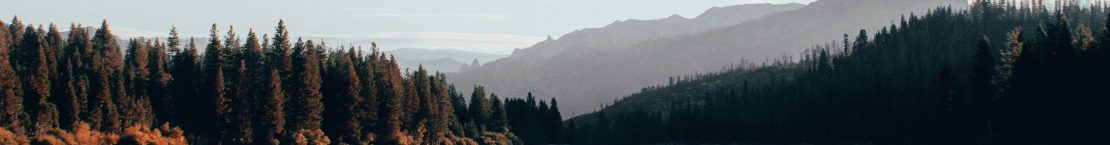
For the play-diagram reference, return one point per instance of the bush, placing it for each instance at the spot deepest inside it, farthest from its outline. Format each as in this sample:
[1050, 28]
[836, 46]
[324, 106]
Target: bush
[55, 137]
[310, 137]
[8, 137]
[143, 135]
[84, 135]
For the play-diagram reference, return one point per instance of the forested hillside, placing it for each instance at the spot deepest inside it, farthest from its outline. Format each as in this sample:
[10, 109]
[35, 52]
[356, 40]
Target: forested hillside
[998, 73]
[263, 90]
[606, 64]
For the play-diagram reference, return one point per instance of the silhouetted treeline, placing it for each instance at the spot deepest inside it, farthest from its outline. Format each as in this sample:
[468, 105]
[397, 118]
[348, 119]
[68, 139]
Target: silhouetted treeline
[257, 90]
[998, 73]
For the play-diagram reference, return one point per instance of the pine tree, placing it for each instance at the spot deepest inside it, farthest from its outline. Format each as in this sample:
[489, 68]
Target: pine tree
[554, 123]
[11, 99]
[54, 45]
[73, 100]
[369, 108]
[243, 109]
[32, 68]
[305, 107]
[213, 89]
[136, 76]
[174, 41]
[185, 76]
[106, 84]
[231, 54]
[498, 121]
[342, 114]
[251, 90]
[389, 91]
[480, 110]
[861, 41]
[158, 82]
[272, 121]
[16, 30]
[279, 53]
[458, 105]
[442, 109]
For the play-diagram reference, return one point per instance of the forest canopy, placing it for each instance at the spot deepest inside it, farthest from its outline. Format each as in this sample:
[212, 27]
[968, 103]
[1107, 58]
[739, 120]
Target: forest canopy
[87, 86]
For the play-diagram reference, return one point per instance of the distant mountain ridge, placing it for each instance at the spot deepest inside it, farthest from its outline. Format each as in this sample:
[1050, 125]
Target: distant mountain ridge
[593, 66]
[441, 60]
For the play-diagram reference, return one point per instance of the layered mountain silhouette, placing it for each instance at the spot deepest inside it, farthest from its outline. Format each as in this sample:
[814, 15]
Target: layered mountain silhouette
[593, 66]
[439, 60]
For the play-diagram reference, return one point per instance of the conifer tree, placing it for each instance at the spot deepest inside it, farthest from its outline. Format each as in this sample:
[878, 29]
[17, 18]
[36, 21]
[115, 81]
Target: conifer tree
[480, 110]
[54, 44]
[243, 108]
[861, 41]
[368, 108]
[185, 76]
[554, 123]
[305, 107]
[279, 53]
[498, 121]
[459, 108]
[136, 78]
[15, 31]
[272, 121]
[343, 121]
[230, 55]
[33, 69]
[389, 84]
[72, 102]
[11, 99]
[158, 82]
[106, 84]
[214, 96]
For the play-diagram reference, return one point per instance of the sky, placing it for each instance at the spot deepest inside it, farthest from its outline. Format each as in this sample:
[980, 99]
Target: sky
[490, 26]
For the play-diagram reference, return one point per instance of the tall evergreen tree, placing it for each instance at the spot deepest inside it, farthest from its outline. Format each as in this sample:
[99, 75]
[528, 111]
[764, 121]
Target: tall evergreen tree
[136, 75]
[390, 92]
[214, 95]
[73, 101]
[498, 121]
[272, 121]
[185, 76]
[174, 41]
[158, 81]
[243, 106]
[279, 54]
[11, 99]
[480, 108]
[344, 100]
[305, 107]
[106, 84]
[33, 69]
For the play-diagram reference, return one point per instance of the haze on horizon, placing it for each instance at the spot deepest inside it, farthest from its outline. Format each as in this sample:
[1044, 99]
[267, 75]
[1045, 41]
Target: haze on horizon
[487, 26]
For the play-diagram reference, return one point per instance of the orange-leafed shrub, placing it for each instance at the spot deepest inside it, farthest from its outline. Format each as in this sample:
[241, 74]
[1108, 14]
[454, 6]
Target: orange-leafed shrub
[492, 138]
[457, 140]
[8, 137]
[310, 137]
[143, 135]
[55, 137]
[84, 135]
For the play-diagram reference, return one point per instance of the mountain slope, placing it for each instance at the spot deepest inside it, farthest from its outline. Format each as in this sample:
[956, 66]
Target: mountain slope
[990, 75]
[439, 60]
[584, 72]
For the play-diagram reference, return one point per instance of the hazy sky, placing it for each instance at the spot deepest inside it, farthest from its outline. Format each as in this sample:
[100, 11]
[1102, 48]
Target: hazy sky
[493, 26]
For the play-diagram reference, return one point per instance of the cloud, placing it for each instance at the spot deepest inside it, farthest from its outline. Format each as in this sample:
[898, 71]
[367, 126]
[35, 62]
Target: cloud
[476, 16]
[477, 42]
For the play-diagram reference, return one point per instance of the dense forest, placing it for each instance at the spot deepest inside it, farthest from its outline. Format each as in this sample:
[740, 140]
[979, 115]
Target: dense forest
[1001, 72]
[80, 87]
